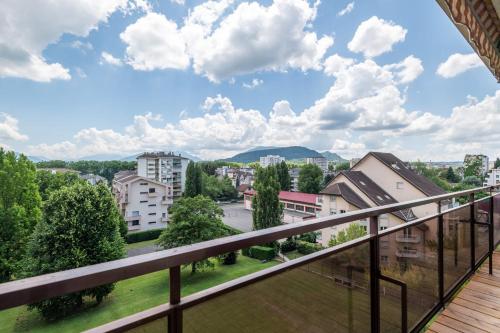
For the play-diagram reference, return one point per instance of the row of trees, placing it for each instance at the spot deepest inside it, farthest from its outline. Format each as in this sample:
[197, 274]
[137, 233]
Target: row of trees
[106, 169]
[199, 182]
[50, 223]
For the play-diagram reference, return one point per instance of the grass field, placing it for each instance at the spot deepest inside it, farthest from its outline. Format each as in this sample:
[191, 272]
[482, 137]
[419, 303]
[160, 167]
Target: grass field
[130, 296]
[140, 244]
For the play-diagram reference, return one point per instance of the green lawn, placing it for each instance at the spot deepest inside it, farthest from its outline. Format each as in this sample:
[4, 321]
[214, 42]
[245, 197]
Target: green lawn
[130, 296]
[138, 245]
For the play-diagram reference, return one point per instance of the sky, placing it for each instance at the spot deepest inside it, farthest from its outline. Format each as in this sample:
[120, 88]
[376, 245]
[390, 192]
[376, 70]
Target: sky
[213, 78]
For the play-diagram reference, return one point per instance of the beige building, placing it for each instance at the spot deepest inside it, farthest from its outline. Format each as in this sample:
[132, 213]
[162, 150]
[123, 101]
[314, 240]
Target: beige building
[143, 202]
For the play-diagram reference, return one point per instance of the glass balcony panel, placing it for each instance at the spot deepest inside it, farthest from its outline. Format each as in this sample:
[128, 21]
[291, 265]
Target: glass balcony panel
[328, 295]
[158, 325]
[496, 218]
[456, 260]
[482, 214]
[414, 264]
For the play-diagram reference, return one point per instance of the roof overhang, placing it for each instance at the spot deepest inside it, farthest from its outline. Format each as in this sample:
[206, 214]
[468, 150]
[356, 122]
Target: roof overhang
[479, 23]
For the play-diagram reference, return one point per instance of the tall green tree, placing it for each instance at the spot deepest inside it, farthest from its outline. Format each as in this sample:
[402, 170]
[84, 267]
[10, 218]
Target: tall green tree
[267, 209]
[194, 180]
[451, 176]
[20, 209]
[342, 166]
[193, 220]
[80, 227]
[106, 169]
[355, 230]
[49, 182]
[310, 178]
[497, 163]
[283, 176]
[218, 189]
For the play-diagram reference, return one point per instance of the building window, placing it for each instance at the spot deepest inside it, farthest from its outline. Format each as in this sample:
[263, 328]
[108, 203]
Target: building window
[299, 208]
[310, 210]
[163, 214]
[152, 190]
[143, 201]
[399, 185]
[342, 211]
[152, 205]
[152, 214]
[144, 193]
[383, 227]
[333, 211]
[384, 258]
[135, 213]
[152, 222]
[143, 183]
[135, 222]
[290, 206]
[333, 198]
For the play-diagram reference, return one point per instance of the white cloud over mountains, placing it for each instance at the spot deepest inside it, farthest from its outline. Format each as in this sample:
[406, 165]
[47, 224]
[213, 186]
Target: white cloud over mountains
[249, 39]
[375, 36]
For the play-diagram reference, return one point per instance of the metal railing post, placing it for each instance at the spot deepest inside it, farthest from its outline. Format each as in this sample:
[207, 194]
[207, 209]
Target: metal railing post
[491, 231]
[374, 276]
[472, 234]
[175, 317]
[440, 255]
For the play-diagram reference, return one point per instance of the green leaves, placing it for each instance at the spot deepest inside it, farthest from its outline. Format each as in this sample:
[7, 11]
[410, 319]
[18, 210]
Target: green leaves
[355, 230]
[267, 209]
[310, 179]
[193, 180]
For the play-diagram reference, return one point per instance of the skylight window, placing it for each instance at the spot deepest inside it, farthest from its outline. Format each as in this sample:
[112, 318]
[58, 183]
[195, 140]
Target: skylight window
[362, 183]
[380, 198]
[395, 166]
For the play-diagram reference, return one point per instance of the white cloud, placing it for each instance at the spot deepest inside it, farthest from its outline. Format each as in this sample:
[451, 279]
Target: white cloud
[347, 9]
[253, 84]
[80, 72]
[110, 59]
[154, 42]
[81, 45]
[28, 27]
[407, 70]
[250, 39]
[335, 63]
[457, 64]
[179, 2]
[9, 129]
[376, 36]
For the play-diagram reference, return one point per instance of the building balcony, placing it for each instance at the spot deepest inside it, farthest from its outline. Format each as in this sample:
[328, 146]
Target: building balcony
[408, 239]
[132, 217]
[407, 254]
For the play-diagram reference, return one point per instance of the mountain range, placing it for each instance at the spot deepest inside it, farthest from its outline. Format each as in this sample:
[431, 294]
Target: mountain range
[289, 153]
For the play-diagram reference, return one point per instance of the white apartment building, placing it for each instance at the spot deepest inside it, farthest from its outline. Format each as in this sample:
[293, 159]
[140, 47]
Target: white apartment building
[484, 161]
[166, 168]
[322, 162]
[268, 160]
[294, 179]
[143, 202]
[492, 178]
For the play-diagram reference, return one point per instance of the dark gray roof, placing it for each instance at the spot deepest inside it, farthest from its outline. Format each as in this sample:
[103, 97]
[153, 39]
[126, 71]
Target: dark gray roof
[422, 183]
[160, 154]
[376, 193]
[124, 173]
[344, 191]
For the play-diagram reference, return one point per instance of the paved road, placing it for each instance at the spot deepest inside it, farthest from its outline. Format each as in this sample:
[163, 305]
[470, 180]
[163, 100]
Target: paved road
[236, 216]
[142, 250]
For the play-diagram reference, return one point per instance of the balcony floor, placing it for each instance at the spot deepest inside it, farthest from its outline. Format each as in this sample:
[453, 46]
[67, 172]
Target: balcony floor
[476, 308]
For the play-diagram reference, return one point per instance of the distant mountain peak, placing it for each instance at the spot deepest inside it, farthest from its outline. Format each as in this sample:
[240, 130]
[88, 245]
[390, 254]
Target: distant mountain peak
[289, 153]
[334, 157]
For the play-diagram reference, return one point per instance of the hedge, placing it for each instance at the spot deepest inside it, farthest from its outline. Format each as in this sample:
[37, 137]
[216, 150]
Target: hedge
[262, 252]
[289, 245]
[307, 248]
[141, 236]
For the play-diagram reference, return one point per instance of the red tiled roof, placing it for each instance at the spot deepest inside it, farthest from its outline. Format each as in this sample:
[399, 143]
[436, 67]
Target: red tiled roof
[300, 197]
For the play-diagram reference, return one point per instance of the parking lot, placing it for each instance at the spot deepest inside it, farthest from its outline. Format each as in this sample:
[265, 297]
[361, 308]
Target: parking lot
[236, 216]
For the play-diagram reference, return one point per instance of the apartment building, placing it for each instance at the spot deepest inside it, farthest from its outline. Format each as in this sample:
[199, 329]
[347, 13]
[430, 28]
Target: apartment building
[321, 162]
[294, 179]
[143, 202]
[166, 168]
[492, 178]
[379, 179]
[269, 160]
[483, 160]
[238, 176]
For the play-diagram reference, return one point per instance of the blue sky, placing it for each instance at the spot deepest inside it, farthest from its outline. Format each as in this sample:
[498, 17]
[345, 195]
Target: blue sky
[128, 76]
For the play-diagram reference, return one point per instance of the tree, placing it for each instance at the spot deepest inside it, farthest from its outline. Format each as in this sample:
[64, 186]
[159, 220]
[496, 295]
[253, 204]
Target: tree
[342, 166]
[310, 178]
[328, 178]
[193, 180]
[472, 180]
[80, 227]
[451, 176]
[49, 182]
[20, 209]
[497, 163]
[355, 230]
[218, 189]
[106, 169]
[283, 176]
[267, 208]
[192, 220]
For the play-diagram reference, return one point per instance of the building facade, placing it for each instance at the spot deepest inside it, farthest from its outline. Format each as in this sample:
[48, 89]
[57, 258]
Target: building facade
[321, 162]
[483, 163]
[294, 179]
[143, 202]
[492, 178]
[269, 160]
[166, 168]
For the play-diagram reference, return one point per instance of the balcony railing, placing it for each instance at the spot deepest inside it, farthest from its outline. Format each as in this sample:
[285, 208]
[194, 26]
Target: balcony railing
[408, 239]
[383, 293]
[407, 253]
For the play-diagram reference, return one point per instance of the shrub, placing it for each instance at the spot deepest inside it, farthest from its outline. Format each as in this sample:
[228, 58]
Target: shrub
[309, 237]
[228, 258]
[307, 248]
[141, 236]
[246, 252]
[289, 245]
[262, 252]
